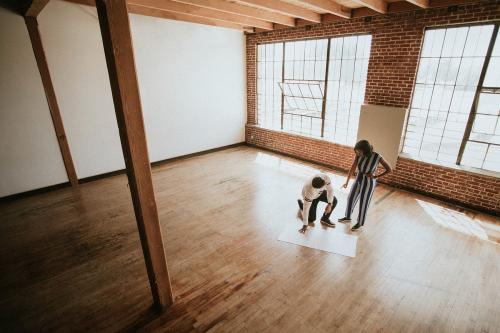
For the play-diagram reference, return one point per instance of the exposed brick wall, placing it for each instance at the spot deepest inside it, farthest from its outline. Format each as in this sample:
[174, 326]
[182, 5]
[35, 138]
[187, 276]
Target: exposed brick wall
[466, 188]
[396, 42]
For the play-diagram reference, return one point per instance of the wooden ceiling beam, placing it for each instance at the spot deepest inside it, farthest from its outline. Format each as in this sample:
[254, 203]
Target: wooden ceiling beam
[135, 9]
[392, 7]
[379, 6]
[285, 8]
[329, 7]
[234, 8]
[328, 18]
[141, 10]
[420, 3]
[183, 8]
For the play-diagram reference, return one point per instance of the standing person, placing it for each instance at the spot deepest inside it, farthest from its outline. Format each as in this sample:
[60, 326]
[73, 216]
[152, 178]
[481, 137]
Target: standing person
[317, 189]
[366, 161]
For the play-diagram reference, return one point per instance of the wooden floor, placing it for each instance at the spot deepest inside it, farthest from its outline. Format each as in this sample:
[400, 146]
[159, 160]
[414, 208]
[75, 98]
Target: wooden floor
[71, 259]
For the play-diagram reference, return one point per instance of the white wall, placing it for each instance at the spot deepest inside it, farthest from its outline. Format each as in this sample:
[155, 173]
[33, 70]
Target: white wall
[29, 153]
[191, 79]
[192, 82]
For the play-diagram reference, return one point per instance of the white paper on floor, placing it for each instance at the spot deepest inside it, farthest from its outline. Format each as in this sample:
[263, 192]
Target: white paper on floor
[321, 238]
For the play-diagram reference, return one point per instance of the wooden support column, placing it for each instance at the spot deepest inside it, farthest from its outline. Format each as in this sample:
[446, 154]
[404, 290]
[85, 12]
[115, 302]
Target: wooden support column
[43, 67]
[115, 30]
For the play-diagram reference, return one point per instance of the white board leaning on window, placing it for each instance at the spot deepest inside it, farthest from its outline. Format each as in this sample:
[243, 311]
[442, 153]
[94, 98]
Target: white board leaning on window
[383, 127]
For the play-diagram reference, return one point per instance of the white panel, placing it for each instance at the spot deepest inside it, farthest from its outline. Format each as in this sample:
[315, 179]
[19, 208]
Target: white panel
[383, 127]
[324, 239]
[192, 82]
[29, 153]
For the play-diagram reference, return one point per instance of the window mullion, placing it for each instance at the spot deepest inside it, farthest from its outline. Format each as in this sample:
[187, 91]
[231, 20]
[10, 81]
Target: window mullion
[323, 106]
[282, 85]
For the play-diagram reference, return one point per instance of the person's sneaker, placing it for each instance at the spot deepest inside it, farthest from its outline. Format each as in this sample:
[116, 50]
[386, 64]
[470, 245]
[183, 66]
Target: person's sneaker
[356, 227]
[327, 222]
[301, 205]
[344, 220]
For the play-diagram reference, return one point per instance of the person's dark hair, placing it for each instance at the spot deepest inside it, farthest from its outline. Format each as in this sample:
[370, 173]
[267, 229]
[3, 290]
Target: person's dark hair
[318, 182]
[365, 147]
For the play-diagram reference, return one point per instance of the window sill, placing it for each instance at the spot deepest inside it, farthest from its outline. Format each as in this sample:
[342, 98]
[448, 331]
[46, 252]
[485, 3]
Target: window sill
[471, 170]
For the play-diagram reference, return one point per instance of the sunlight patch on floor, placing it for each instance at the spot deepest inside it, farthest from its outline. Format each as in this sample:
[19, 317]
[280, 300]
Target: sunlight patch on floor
[289, 167]
[455, 220]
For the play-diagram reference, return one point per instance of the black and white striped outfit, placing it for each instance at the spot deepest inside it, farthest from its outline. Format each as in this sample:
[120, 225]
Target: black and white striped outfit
[363, 187]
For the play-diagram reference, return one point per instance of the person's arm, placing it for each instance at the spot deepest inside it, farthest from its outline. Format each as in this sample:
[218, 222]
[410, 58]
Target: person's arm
[351, 171]
[387, 168]
[305, 215]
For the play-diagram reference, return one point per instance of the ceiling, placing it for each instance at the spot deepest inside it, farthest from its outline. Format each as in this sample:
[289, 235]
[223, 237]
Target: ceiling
[264, 15]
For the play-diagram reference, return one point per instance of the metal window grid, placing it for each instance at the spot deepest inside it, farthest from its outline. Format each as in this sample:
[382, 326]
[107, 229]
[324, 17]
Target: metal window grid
[439, 122]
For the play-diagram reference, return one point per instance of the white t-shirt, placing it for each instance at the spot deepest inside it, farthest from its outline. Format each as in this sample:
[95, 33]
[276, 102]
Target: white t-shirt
[309, 193]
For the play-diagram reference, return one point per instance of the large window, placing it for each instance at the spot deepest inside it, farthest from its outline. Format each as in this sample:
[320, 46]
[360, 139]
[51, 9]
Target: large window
[313, 87]
[455, 106]
[347, 73]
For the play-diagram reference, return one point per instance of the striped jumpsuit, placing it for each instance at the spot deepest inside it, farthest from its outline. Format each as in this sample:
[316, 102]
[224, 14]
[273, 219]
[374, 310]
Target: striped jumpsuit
[363, 187]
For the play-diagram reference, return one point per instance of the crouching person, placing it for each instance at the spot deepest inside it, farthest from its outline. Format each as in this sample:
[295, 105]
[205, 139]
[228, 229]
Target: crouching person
[317, 189]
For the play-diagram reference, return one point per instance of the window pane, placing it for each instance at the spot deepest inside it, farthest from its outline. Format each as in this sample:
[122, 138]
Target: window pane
[299, 50]
[427, 70]
[454, 42]
[496, 48]
[492, 161]
[321, 49]
[484, 124]
[462, 99]
[433, 43]
[310, 51]
[448, 70]
[474, 154]
[489, 104]
[316, 91]
[305, 90]
[269, 52]
[298, 70]
[492, 78]
[470, 70]
[278, 53]
[268, 89]
[308, 70]
[478, 40]
[261, 49]
[289, 51]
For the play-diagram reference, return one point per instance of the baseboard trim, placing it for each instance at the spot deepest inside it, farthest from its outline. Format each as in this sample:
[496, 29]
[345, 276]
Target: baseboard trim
[17, 196]
[203, 152]
[101, 176]
[29, 193]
